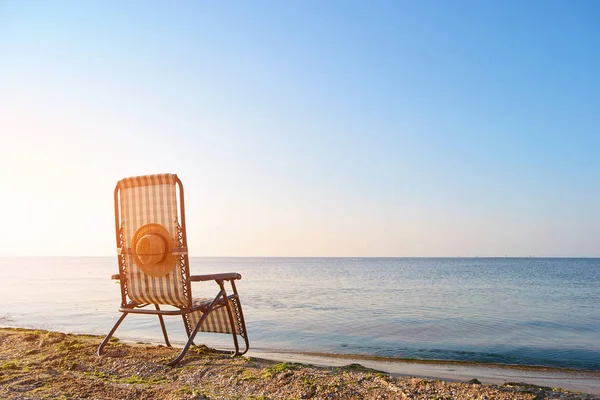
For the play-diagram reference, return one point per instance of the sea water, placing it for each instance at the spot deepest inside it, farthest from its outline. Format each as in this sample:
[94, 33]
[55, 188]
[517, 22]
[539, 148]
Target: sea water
[533, 311]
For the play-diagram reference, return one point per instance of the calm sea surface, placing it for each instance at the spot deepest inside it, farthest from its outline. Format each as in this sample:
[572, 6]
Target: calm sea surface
[521, 311]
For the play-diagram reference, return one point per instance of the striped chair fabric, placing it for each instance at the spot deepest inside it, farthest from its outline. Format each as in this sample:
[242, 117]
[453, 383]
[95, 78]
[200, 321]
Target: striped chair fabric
[151, 199]
[217, 321]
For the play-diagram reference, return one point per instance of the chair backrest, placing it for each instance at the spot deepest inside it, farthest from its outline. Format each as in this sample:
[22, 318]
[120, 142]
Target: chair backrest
[152, 199]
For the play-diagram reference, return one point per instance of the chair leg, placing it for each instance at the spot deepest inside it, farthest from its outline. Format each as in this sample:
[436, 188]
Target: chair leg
[243, 334]
[112, 331]
[162, 325]
[240, 315]
[231, 324]
[195, 331]
[247, 346]
[188, 330]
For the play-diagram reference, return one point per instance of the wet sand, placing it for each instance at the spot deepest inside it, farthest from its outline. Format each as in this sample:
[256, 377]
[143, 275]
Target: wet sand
[568, 379]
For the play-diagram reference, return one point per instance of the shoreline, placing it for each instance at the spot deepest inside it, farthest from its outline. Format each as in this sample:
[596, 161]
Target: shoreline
[585, 381]
[284, 353]
[37, 364]
[432, 361]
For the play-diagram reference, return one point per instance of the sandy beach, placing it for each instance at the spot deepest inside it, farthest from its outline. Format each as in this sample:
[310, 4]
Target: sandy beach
[37, 364]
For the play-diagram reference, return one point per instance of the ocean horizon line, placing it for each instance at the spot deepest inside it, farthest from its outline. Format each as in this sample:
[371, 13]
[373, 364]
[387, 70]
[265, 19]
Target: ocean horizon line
[327, 257]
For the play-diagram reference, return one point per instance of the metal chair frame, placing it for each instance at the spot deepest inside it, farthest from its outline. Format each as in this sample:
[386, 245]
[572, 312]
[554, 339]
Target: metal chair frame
[222, 299]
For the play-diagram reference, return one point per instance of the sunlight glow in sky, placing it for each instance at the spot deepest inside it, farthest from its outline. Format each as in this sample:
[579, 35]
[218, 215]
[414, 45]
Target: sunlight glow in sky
[306, 128]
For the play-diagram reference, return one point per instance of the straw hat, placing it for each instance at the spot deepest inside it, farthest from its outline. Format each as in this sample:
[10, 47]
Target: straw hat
[152, 247]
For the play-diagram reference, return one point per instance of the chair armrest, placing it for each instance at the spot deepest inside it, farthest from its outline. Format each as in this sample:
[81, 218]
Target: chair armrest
[229, 276]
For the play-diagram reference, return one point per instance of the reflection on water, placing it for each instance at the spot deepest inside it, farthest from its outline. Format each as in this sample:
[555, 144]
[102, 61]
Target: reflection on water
[527, 311]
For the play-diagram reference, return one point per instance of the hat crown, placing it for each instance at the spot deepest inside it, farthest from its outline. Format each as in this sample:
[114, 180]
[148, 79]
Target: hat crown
[151, 248]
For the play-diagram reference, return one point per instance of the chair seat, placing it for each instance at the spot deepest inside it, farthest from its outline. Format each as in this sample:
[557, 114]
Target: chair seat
[203, 302]
[217, 321]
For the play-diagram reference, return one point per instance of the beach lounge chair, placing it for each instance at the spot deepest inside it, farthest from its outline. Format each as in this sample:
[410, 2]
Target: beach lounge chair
[154, 267]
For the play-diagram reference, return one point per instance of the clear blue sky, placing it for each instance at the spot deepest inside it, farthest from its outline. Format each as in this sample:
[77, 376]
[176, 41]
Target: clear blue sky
[306, 128]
